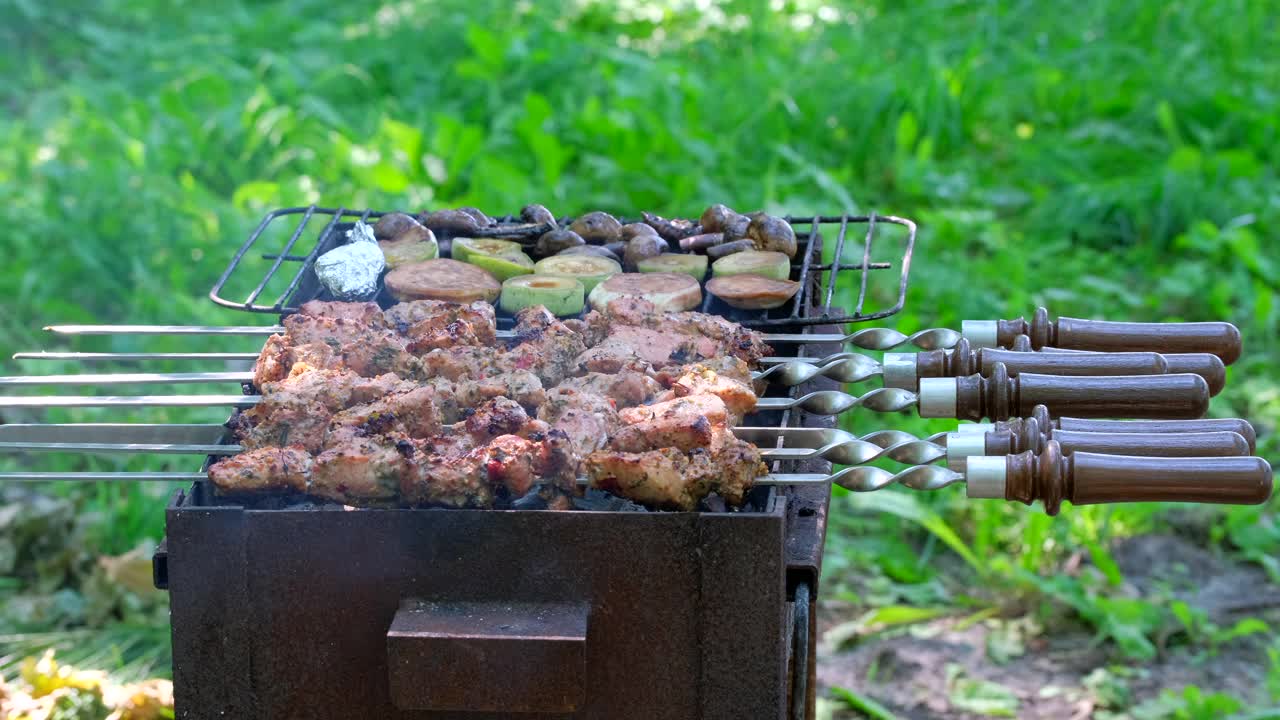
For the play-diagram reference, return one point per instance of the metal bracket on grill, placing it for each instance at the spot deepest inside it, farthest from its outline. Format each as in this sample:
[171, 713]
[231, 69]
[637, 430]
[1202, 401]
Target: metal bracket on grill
[819, 266]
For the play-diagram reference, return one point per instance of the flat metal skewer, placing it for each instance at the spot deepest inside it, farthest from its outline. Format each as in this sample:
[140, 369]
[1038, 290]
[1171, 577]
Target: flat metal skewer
[795, 372]
[859, 479]
[125, 356]
[824, 402]
[867, 338]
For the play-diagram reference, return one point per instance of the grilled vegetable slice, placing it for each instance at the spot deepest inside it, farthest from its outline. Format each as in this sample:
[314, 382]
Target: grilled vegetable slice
[560, 295]
[752, 292]
[503, 258]
[668, 292]
[774, 265]
[586, 269]
[442, 279]
[593, 251]
[695, 266]
[409, 248]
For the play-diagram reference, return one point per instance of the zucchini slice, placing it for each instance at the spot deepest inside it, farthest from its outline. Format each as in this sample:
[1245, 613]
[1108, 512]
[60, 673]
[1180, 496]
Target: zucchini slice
[503, 258]
[695, 266]
[559, 295]
[753, 292]
[587, 269]
[669, 292]
[442, 279]
[409, 249]
[770, 264]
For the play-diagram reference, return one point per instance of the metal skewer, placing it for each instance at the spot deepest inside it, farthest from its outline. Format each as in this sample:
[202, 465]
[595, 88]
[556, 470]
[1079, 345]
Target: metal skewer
[867, 338]
[124, 356]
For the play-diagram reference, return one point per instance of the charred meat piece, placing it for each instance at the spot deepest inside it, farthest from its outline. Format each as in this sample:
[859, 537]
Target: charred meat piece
[451, 480]
[361, 470]
[520, 385]
[544, 345]
[699, 379]
[435, 333]
[627, 387]
[270, 469]
[669, 478]
[296, 410]
[412, 412]
[365, 313]
[586, 419]
[684, 423]
[499, 416]
[666, 478]
[628, 344]
[479, 315]
[715, 336]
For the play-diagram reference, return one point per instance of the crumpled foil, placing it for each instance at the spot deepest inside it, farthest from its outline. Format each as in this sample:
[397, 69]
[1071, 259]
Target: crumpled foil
[351, 271]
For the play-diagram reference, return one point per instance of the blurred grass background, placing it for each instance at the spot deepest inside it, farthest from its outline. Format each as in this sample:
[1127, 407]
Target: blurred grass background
[1111, 160]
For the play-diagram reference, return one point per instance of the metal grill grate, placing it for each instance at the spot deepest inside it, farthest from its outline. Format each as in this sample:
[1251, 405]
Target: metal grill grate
[826, 295]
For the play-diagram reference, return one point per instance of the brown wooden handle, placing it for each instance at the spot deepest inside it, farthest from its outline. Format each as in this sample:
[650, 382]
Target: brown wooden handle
[963, 360]
[1219, 338]
[1091, 478]
[1031, 436]
[1206, 365]
[1200, 425]
[1000, 397]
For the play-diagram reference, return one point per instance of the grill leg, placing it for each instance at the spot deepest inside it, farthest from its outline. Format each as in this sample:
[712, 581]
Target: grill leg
[800, 692]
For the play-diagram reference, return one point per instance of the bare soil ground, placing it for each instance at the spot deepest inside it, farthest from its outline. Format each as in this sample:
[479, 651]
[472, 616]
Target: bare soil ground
[909, 669]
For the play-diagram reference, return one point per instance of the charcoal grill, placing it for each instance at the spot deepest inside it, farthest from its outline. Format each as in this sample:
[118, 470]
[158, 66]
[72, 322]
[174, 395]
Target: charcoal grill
[677, 615]
[286, 607]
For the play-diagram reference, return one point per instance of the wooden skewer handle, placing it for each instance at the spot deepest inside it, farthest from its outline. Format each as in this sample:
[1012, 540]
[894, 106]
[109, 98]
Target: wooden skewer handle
[1034, 438]
[1161, 427]
[1206, 365]
[1220, 338]
[1000, 396]
[904, 369]
[1090, 478]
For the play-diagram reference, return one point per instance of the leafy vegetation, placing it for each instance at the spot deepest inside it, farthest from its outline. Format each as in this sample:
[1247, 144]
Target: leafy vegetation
[1115, 161]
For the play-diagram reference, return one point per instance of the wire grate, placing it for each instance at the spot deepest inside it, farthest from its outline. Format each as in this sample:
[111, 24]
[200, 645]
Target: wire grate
[829, 294]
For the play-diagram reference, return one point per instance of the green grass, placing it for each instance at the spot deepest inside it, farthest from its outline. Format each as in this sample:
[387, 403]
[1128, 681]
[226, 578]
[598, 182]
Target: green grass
[1114, 160]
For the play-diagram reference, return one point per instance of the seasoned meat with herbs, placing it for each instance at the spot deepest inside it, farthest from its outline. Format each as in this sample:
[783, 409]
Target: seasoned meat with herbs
[412, 412]
[451, 480]
[361, 470]
[669, 478]
[269, 469]
[365, 313]
[586, 419]
[699, 379]
[479, 315]
[628, 386]
[684, 423]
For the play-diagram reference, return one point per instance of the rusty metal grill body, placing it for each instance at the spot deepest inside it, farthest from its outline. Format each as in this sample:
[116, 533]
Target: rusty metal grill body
[309, 611]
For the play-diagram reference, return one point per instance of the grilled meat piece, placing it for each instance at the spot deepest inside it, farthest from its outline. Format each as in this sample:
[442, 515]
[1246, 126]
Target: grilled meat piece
[365, 313]
[270, 469]
[544, 345]
[296, 410]
[499, 416]
[520, 385]
[412, 412]
[713, 336]
[451, 480]
[683, 423]
[699, 379]
[669, 478]
[361, 470]
[630, 385]
[435, 333]
[479, 315]
[728, 366]
[586, 419]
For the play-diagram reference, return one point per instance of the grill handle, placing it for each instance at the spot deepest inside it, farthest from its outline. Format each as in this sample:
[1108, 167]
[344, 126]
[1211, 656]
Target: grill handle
[1089, 478]
[1000, 396]
[1206, 365]
[518, 657]
[1219, 338]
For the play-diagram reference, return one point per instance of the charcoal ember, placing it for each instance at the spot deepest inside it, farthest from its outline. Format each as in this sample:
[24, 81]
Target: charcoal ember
[351, 271]
[602, 501]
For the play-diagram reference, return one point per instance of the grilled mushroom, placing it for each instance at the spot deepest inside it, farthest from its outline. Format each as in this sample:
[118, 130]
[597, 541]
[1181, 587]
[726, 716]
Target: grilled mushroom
[631, 230]
[767, 232]
[391, 225]
[641, 247]
[556, 241]
[452, 222]
[537, 215]
[481, 218]
[671, 230]
[597, 228]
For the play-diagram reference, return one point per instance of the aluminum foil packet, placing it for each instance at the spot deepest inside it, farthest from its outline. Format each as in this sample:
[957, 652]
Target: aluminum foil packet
[351, 271]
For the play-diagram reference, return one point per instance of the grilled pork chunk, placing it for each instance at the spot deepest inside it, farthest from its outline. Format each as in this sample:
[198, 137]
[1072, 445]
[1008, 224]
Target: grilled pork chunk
[683, 423]
[670, 478]
[478, 315]
[698, 379]
[270, 469]
[586, 419]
